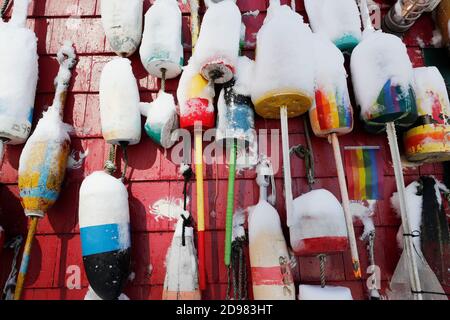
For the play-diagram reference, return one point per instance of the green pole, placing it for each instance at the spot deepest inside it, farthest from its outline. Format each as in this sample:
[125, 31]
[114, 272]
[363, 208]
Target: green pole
[230, 203]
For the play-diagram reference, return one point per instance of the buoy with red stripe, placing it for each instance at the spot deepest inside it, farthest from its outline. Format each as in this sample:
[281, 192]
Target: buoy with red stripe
[104, 221]
[217, 48]
[181, 281]
[122, 23]
[318, 224]
[429, 138]
[269, 258]
[19, 75]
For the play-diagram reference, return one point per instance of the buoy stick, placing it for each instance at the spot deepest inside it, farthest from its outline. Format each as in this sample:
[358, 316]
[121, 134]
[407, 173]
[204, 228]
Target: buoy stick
[198, 145]
[26, 257]
[346, 205]
[286, 165]
[194, 4]
[408, 243]
[230, 203]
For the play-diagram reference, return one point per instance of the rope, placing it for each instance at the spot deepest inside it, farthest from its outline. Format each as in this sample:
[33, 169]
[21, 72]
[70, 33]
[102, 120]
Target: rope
[3, 8]
[163, 79]
[322, 261]
[237, 272]
[10, 284]
[305, 154]
[110, 164]
[430, 292]
[123, 145]
[187, 174]
[187, 222]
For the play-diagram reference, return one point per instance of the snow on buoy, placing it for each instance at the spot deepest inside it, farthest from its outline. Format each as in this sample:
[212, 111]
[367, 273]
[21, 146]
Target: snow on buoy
[19, 75]
[318, 224]
[427, 140]
[119, 103]
[332, 111]
[217, 48]
[122, 22]
[162, 47]
[339, 21]
[309, 292]
[181, 281]
[269, 258]
[105, 233]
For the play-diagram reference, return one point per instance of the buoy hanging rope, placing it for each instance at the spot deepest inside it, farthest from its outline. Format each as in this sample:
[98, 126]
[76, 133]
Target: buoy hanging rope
[10, 284]
[322, 265]
[110, 163]
[124, 145]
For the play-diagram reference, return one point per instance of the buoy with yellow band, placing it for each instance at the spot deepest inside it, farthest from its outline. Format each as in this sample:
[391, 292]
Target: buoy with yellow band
[429, 138]
[43, 160]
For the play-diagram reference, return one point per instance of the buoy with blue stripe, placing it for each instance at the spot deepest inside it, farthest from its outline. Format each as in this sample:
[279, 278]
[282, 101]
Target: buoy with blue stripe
[19, 75]
[122, 23]
[43, 161]
[104, 221]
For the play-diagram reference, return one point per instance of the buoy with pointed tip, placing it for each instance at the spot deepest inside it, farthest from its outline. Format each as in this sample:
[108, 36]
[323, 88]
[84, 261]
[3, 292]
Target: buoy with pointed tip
[19, 75]
[181, 281]
[429, 138]
[217, 48]
[269, 258]
[104, 220]
[122, 23]
[120, 103]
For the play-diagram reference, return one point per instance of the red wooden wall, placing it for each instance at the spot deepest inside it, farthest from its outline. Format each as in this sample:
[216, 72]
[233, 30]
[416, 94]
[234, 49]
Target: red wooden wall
[153, 176]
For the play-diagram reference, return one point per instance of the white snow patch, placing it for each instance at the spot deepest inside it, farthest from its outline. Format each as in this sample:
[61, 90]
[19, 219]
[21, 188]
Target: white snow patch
[365, 214]
[253, 13]
[310, 292]
[334, 19]
[244, 76]
[436, 40]
[413, 210]
[420, 42]
[239, 218]
[282, 63]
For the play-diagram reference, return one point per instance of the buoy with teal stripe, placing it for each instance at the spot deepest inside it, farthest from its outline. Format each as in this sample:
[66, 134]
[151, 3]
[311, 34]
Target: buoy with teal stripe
[104, 221]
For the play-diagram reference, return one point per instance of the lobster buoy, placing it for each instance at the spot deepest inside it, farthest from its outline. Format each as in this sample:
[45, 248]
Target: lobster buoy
[105, 233]
[332, 111]
[122, 22]
[162, 47]
[217, 48]
[318, 224]
[42, 164]
[269, 258]
[43, 160]
[120, 103]
[195, 98]
[428, 139]
[162, 119]
[382, 61]
[19, 75]
[181, 281]
[339, 21]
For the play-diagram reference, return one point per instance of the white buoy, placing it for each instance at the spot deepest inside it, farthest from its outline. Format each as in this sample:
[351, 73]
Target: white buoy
[120, 103]
[18, 76]
[162, 46]
[217, 48]
[122, 22]
[104, 220]
[269, 258]
[181, 282]
[309, 292]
